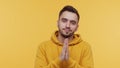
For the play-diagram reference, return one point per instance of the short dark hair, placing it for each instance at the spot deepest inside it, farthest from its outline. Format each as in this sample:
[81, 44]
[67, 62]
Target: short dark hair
[70, 9]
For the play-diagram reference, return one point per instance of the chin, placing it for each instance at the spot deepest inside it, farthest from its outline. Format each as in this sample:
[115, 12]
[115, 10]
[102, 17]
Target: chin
[66, 35]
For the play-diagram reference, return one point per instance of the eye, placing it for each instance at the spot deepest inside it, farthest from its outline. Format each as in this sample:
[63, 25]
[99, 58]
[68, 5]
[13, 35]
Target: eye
[73, 22]
[64, 20]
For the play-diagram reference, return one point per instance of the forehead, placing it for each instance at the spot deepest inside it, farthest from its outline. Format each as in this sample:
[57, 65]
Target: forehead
[69, 15]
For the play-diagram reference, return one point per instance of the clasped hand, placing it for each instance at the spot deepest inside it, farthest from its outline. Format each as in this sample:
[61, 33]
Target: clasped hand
[65, 52]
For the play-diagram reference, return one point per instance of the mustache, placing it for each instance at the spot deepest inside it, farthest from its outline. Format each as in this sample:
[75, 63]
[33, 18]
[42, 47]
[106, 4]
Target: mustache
[67, 28]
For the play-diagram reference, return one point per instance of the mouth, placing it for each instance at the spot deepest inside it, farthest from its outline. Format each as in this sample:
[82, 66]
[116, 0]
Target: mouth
[67, 30]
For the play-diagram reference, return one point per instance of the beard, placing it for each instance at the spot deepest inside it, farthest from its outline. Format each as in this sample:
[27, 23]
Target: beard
[66, 34]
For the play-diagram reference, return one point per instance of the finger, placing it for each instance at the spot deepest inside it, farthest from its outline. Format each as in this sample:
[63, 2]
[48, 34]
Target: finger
[66, 49]
[67, 54]
[65, 46]
[66, 41]
[62, 56]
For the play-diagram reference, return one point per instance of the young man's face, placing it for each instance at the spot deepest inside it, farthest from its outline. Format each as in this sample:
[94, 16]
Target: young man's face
[67, 23]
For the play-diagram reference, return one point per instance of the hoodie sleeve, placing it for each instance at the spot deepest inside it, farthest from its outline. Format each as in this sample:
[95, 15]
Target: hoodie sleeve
[41, 61]
[86, 60]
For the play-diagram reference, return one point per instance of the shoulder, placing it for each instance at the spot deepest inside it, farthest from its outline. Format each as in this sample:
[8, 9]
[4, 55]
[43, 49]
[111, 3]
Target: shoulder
[85, 45]
[44, 44]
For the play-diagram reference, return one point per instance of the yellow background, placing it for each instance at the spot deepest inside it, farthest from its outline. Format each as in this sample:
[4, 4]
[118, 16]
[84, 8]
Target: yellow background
[24, 24]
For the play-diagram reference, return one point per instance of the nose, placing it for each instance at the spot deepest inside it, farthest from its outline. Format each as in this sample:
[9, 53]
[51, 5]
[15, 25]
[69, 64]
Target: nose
[68, 24]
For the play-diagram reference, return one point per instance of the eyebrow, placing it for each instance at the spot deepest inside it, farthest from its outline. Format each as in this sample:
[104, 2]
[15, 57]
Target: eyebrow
[72, 20]
[64, 18]
[68, 19]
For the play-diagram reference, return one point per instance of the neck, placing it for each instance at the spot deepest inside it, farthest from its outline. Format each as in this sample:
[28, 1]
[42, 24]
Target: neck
[61, 38]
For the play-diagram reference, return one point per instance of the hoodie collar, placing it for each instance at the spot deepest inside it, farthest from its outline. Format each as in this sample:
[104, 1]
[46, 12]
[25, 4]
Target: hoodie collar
[77, 39]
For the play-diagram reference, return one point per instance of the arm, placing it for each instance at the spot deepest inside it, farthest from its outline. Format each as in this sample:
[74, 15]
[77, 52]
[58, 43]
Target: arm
[86, 60]
[41, 61]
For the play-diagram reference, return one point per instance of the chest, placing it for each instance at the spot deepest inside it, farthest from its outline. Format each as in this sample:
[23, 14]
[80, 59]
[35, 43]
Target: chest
[75, 52]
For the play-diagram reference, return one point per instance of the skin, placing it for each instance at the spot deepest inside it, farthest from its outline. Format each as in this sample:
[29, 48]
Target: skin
[67, 25]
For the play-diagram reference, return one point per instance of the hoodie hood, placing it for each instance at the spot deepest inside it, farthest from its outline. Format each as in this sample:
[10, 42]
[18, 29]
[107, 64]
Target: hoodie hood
[76, 39]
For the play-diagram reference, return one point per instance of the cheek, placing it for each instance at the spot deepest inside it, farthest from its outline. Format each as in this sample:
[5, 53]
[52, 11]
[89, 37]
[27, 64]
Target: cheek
[74, 28]
[61, 25]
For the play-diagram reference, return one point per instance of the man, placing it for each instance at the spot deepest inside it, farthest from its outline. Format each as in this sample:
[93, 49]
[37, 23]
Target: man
[65, 49]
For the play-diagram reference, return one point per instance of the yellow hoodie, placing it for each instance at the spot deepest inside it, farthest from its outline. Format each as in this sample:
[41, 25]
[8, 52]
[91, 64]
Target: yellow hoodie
[80, 54]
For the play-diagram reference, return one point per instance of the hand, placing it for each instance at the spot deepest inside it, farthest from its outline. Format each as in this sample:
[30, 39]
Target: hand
[65, 52]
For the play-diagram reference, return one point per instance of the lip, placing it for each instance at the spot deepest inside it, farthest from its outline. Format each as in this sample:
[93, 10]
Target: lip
[67, 30]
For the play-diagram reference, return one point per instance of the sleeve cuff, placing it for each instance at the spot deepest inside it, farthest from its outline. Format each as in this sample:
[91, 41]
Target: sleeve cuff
[70, 62]
[57, 62]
